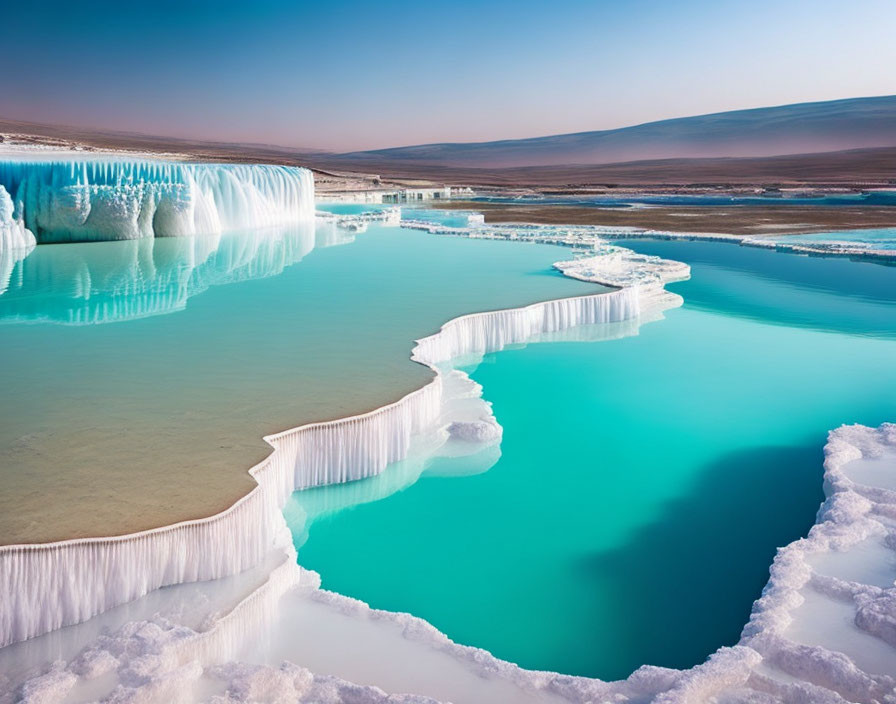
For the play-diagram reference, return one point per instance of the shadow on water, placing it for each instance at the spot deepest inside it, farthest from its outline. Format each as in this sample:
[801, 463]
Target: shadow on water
[747, 504]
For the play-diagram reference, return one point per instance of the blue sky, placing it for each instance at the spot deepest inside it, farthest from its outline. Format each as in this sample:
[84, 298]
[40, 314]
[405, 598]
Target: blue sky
[364, 75]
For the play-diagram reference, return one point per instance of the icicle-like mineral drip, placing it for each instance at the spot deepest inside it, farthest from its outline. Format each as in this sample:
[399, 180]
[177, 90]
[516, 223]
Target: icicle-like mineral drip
[76, 201]
[13, 233]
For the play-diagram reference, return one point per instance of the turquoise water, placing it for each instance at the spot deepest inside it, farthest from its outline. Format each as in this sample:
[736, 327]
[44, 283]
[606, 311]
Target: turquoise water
[875, 238]
[644, 483]
[824, 293]
[350, 208]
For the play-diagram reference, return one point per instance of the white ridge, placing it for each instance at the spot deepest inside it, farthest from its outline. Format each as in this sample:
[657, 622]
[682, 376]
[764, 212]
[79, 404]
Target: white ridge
[90, 200]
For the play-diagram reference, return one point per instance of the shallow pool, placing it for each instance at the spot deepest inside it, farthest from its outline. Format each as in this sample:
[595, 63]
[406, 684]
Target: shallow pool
[141, 376]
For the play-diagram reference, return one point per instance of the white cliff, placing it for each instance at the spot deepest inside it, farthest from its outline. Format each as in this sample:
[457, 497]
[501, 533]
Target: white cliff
[94, 200]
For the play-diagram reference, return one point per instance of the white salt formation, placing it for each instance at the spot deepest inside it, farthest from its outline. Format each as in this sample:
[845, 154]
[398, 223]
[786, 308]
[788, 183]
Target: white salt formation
[477, 334]
[13, 233]
[827, 618]
[616, 266]
[76, 201]
[16, 241]
[384, 216]
[564, 235]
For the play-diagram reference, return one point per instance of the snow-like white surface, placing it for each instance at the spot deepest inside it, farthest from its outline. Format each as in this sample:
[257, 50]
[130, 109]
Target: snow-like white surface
[384, 216]
[824, 619]
[487, 332]
[16, 241]
[13, 233]
[89, 200]
[617, 266]
[874, 471]
[869, 561]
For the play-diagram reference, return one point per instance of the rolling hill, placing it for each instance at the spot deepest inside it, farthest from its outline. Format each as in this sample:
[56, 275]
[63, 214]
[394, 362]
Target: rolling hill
[788, 129]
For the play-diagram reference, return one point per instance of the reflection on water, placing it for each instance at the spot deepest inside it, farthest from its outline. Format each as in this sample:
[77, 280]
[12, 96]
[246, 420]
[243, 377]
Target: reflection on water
[101, 282]
[822, 293]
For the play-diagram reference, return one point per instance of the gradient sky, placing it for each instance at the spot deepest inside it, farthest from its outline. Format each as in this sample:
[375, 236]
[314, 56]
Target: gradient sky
[355, 75]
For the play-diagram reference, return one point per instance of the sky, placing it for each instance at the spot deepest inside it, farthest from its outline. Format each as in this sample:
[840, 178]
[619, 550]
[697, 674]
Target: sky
[361, 75]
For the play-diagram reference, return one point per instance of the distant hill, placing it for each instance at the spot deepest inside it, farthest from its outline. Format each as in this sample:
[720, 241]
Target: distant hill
[800, 145]
[788, 129]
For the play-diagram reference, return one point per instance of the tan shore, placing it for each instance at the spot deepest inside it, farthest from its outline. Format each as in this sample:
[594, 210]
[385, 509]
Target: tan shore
[735, 220]
[115, 453]
[73, 477]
